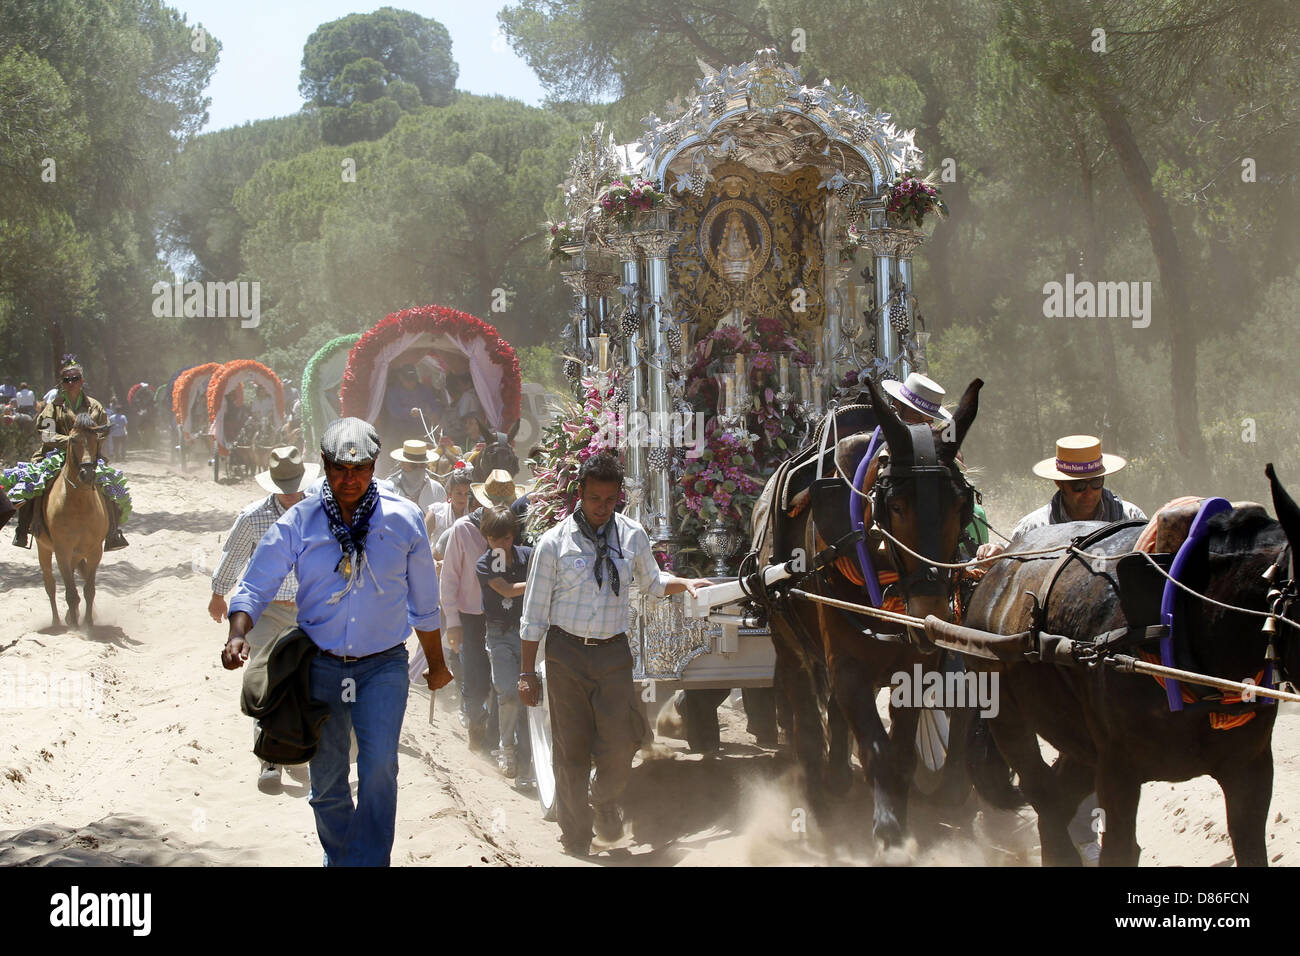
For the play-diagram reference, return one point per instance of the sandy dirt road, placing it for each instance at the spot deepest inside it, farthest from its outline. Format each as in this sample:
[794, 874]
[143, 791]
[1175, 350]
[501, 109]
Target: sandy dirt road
[139, 754]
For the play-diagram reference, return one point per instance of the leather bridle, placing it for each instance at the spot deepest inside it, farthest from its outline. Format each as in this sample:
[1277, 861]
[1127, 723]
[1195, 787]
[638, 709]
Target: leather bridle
[925, 476]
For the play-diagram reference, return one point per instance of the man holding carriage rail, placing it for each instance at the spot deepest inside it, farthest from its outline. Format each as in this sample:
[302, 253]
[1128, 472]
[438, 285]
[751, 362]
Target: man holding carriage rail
[577, 597]
[55, 422]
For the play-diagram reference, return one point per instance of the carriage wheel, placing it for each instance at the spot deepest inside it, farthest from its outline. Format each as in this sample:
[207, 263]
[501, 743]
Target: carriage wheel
[539, 732]
[941, 736]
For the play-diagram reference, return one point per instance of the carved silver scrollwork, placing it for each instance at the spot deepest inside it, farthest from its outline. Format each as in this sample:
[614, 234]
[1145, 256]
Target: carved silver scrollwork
[668, 639]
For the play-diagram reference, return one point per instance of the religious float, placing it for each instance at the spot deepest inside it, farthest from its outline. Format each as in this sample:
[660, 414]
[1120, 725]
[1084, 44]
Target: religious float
[734, 271]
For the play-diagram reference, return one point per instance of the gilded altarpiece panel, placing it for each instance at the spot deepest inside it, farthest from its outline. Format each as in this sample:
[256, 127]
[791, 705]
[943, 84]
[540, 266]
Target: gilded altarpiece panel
[749, 242]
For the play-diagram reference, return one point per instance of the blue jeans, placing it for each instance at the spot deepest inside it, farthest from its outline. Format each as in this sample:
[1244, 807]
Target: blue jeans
[369, 697]
[480, 707]
[504, 650]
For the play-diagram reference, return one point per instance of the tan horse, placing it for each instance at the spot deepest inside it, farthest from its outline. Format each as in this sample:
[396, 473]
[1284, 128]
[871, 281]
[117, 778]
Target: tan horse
[75, 521]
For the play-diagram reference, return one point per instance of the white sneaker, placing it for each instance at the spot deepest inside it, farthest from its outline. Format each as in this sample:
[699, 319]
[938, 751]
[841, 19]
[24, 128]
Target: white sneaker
[268, 781]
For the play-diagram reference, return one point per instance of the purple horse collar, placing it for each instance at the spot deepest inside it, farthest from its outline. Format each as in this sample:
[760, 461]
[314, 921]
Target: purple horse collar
[1196, 535]
[857, 514]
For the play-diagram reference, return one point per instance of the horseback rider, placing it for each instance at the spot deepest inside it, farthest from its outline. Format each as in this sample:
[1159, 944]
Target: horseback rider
[55, 421]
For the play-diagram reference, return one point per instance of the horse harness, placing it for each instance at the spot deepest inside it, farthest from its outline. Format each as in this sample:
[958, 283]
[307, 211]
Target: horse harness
[929, 474]
[1225, 713]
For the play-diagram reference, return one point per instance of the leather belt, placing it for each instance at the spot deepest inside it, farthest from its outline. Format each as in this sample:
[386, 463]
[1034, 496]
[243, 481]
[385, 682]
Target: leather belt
[589, 641]
[346, 659]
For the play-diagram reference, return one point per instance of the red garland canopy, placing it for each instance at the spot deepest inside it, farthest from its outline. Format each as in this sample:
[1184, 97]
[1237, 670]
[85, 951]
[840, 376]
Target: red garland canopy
[184, 384]
[363, 359]
[234, 374]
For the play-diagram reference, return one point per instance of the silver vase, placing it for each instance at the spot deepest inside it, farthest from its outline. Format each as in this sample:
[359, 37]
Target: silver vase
[720, 541]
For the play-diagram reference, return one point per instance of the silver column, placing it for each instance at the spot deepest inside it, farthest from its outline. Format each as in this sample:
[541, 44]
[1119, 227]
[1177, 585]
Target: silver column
[659, 490]
[906, 247]
[635, 391]
[886, 340]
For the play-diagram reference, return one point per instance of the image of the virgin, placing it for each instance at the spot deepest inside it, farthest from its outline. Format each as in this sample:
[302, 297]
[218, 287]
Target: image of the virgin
[736, 247]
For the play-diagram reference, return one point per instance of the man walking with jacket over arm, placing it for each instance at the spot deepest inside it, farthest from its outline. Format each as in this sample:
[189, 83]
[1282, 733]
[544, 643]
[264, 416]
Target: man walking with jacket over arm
[365, 578]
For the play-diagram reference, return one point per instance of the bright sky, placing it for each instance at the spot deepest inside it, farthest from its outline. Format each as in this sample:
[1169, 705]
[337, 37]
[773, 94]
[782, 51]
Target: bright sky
[262, 41]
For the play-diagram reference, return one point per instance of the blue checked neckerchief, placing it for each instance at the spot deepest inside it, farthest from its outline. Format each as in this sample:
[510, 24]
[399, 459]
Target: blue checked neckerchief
[604, 539]
[351, 539]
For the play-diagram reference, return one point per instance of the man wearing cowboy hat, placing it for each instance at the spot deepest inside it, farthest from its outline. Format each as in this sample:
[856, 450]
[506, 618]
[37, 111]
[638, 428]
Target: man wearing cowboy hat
[1079, 470]
[55, 421]
[365, 579]
[286, 480]
[462, 603]
[412, 480]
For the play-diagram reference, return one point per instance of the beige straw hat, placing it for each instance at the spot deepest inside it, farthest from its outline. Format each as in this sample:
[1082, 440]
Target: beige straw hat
[1077, 457]
[287, 474]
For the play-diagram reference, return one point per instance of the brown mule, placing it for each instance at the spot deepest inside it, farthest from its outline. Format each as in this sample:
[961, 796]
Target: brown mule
[74, 521]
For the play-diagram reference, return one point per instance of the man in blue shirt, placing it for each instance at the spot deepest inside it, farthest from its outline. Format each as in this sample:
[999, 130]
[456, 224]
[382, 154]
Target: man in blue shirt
[365, 578]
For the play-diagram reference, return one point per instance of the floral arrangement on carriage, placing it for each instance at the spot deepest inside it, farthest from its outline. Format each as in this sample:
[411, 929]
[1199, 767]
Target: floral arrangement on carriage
[189, 399]
[724, 481]
[235, 375]
[451, 340]
[562, 233]
[322, 378]
[625, 197]
[585, 429]
[908, 200]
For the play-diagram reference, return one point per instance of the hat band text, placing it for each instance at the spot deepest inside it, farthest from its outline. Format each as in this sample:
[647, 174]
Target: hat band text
[1080, 467]
[918, 401]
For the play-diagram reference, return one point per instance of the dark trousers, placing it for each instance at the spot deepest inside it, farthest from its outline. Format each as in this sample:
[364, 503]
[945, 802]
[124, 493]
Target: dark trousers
[476, 692]
[595, 717]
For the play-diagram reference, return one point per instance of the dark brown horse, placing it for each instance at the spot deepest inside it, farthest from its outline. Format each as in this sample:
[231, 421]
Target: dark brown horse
[830, 663]
[498, 452]
[1115, 731]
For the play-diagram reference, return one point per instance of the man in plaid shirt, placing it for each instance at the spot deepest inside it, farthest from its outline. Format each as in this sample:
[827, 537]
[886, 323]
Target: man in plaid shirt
[287, 480]
[577, 597]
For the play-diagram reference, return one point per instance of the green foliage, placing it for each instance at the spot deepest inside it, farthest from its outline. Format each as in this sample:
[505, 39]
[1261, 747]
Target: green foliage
[445, 208]
[96, 98]
[365, 70]
[541, 364]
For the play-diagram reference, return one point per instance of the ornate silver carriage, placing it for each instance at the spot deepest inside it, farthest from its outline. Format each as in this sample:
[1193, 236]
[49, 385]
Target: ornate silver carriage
[759, 198]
